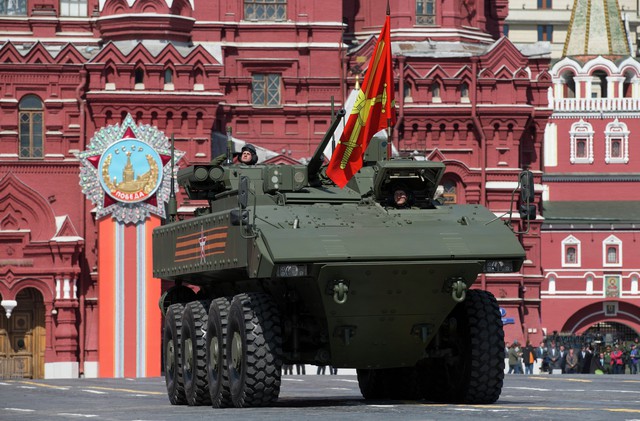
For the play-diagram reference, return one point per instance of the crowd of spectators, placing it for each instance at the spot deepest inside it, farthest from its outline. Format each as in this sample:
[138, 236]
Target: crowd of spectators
[575, 354]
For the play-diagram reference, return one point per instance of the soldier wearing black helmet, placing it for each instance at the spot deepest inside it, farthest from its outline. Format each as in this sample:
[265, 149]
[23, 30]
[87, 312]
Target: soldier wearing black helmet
[401, 196]
[248, 155]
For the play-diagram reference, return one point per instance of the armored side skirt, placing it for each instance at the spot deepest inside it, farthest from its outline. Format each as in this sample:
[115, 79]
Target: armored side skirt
[385, 314]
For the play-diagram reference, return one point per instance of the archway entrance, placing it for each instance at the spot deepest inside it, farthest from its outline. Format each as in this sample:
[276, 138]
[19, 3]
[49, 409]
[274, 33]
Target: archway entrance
[22, 337]
[610, 332]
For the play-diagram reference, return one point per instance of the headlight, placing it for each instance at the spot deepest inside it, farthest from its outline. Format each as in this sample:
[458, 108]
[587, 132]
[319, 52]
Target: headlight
[291, 271]
[498, 266]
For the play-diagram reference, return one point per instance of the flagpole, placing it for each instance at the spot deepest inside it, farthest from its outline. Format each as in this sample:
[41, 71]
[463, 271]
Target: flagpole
[389, 147]
[372, 112]
[389, 140]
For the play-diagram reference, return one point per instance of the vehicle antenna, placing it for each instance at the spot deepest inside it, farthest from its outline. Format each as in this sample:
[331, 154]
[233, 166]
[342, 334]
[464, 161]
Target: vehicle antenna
[229, 160]
[172, 206]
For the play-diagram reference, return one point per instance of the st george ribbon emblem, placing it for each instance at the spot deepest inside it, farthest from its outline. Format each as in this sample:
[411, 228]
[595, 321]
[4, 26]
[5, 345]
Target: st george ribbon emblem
[126, 171]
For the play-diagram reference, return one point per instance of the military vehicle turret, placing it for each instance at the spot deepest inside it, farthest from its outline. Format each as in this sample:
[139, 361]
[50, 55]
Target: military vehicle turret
[283, 267]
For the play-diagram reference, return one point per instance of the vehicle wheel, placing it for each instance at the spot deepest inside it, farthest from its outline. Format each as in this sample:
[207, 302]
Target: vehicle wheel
[372, 383]
[253, 349]
[216, 360]
[194, 364]
[475, 371]
[388, 383]
[404, 383]
[171, 339]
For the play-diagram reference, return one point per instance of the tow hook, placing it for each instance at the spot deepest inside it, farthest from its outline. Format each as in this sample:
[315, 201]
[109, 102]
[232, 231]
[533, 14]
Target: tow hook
[458, 291]
[340, 291]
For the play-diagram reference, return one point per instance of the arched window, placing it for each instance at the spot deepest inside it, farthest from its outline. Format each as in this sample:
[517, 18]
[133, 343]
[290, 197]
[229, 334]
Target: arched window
[109, 79]
[581, 143]
[612, 250]
[408, 97]
[435, 92]
[589, 284]
[31, 118]
[168, 76]
[139, 78]
[616, 143]
[552, 284]
[569, 85]
[450, 192]
[627, 87]
[570, 252]
[599, 84]
[464, 92]
[198, 79]
[168, 79]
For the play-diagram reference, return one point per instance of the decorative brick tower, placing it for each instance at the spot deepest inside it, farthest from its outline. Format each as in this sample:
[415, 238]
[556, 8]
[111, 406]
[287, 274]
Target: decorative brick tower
[591, 180]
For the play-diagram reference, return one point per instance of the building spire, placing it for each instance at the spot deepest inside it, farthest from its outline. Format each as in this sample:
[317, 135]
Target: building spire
[596, 28]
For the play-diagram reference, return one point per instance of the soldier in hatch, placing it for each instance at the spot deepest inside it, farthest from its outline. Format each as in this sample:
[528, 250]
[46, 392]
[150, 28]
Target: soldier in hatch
[247, 156]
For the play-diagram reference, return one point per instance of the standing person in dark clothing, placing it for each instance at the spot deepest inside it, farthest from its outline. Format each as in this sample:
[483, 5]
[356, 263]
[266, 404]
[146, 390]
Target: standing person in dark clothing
[543, 357]
[554, 358]
[597, 364]
[563, 359]
[584, 360]
[529, 358]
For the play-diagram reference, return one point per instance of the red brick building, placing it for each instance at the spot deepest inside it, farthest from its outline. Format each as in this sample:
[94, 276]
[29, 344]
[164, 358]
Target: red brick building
[272, 71]
[591, 175]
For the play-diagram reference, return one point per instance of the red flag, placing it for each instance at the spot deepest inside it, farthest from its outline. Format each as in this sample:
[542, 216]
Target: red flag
[374, 110]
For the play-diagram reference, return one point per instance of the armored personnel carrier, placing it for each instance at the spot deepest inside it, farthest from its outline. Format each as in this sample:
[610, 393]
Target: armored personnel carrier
[282, 267]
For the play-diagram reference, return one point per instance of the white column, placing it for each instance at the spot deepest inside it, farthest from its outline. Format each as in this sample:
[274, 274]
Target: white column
[615, 86]
[580, 82]
[57, 288]
[66, 288]
[558, 89]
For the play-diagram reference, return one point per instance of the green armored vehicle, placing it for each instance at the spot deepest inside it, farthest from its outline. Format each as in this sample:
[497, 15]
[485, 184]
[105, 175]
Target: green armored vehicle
[290, 269]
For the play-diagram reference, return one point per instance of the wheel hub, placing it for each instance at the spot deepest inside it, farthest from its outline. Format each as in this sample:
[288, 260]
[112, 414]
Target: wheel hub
[214, 353]
[236, 350]
[170, 356]
[188, 353]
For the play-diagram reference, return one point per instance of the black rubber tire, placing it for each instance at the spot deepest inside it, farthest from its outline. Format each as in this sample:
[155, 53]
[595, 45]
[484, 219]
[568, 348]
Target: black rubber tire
[171, 339]
[388, 383]
[486, 360]
[216, 357]
[475, 372]
[194, 364]
[372, 383]
[253, 350]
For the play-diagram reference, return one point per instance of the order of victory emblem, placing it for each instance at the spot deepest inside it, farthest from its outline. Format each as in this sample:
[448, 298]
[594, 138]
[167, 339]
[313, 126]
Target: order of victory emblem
[126, 171]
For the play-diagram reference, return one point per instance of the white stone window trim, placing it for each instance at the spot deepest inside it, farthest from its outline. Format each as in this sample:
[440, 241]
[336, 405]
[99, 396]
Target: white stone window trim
[612, 241]
[581, 130]
[589, 278]
[634, 283]
[570, 241]
[616, 130]
[552, 277]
